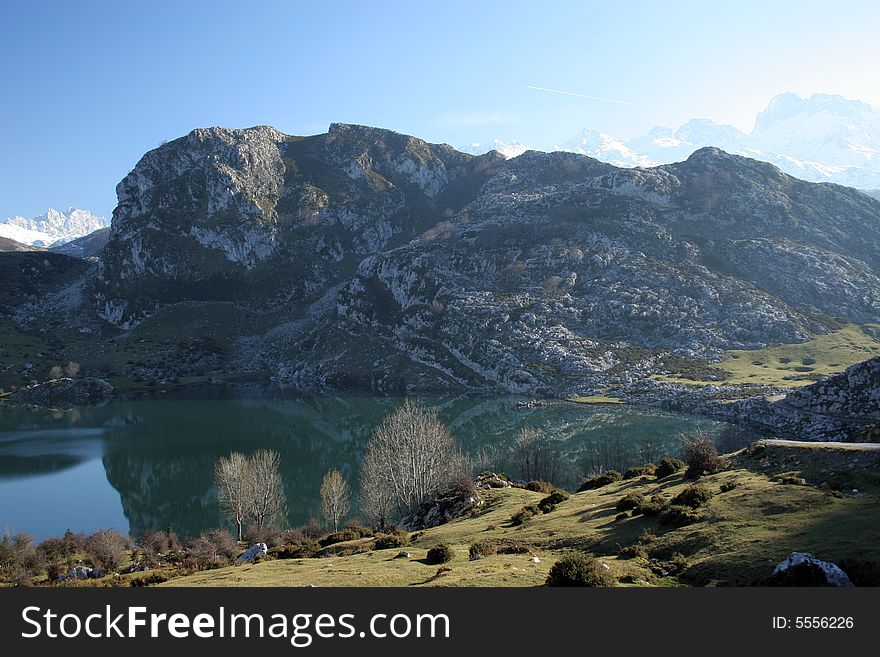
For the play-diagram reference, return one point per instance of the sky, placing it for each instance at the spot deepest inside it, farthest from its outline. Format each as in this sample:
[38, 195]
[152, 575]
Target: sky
[88, 86]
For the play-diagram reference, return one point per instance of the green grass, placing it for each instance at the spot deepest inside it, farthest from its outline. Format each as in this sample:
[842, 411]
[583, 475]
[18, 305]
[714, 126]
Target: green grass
[596, 399]
[741, 535]
[789, 365]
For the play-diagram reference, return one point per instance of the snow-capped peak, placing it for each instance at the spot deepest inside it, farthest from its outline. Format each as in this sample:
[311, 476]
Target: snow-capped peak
[508, 149]
[52, 228]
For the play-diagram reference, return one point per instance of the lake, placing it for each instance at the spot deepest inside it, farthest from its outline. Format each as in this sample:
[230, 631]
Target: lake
[141, 464]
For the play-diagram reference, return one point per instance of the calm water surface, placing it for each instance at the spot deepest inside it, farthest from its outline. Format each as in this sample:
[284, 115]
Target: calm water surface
[148, 463]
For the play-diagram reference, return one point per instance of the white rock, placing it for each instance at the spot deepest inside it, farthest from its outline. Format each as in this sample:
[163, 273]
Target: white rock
[833, 574]
[255, 550]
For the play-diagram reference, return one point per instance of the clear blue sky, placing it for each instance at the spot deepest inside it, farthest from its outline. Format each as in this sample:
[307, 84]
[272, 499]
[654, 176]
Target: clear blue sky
[89, 86]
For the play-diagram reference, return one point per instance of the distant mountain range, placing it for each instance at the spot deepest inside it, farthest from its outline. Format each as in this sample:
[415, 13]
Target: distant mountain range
[53, 228]
[823, 138]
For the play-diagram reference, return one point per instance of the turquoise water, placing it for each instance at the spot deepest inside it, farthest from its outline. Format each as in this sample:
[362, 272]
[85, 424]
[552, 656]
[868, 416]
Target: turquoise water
[148, 463]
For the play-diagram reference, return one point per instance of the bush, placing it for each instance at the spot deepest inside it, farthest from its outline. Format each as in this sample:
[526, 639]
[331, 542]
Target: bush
[153, 544]
[269, 534]
[439, 554]
[651, 507]
[678, 516]
[700, 455]
[728, 486]
[607, 477]
[386, 541]
[640, 471]
[361, 530]
[539, 486]
[636, 551]
[668, 467]
[630, 501]
[524, 514]
[106, 548]
[693, 496]
[214, 548]
[578, 570]
[301, 550]
[149, 580]
[490, 547]
[549, 503]
[339, 537]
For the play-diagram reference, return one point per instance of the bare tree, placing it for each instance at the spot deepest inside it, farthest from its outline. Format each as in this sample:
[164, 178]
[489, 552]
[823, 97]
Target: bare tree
[71, 369]
[335, 498]
[267, 499]
[232, 477]
[537, 456]
[56, 372]
[411, 454]
[377, 497]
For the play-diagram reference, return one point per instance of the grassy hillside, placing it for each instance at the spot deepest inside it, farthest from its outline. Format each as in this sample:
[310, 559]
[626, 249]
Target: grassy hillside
[788, 365]
[770, 502]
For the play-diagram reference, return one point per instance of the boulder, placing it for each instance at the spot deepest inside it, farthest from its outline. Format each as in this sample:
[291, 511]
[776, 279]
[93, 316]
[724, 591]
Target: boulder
[803, 561]
[254, 551]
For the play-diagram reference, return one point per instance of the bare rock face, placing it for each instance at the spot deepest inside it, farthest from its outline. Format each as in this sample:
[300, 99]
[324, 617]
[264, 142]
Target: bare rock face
[254, 551]
[381, 261]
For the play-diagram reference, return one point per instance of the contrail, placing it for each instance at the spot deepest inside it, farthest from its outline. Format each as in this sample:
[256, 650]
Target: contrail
[609, 100]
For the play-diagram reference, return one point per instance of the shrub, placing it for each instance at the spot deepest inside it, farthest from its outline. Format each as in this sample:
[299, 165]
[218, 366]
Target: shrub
[339, 537]
[153, 544]
[651, 507]
[678, 516]
[312, 529]
[636, 551]
[301, 550]
[490, 547]
[106, 548]
[361, 530]
[439, 554]
[630, 501]
[728, 486]
[524, 514]
[385, 541]
[214, 548]
[693, 496]
[647, 536]
[549, 503]
[539, 486]
[607, 477]
[578, 570]
[640, 471]
[271, 535]
[149, 580]
[668, 467]
[700, 455]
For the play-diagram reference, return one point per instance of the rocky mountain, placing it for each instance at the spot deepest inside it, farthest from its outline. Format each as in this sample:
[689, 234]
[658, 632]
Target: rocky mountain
[392, 262]
[55, 227]
[366, 258]
[823, 138]
[8, 245]
[86, 246]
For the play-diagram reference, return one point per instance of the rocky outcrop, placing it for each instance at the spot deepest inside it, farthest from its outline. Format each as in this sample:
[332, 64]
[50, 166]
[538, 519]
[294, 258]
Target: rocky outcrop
[802, 566]
[454, 502]
[841, 407]
[66, 391]
[253, 552]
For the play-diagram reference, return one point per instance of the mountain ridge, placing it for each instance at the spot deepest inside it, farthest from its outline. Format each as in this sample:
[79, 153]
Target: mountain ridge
[380, 261]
